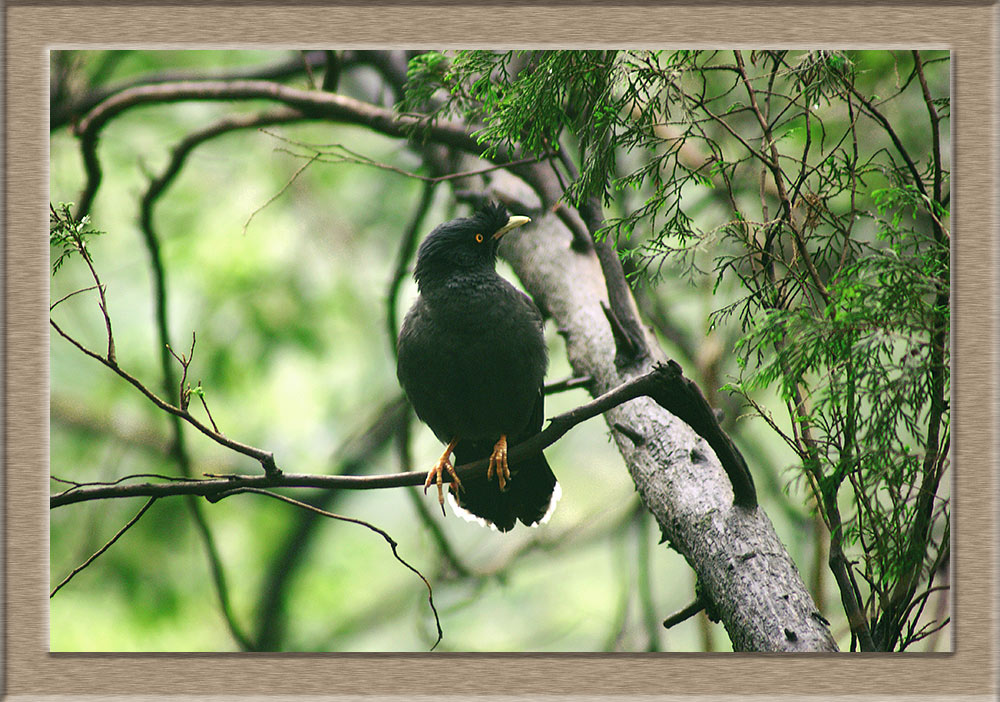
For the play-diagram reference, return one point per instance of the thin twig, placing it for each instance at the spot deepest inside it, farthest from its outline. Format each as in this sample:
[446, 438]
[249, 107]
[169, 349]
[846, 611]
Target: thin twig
[281, 192]
[102, 300]
[266, 458]
[68, 296]
[350, 156]
[774, 166]
[185, 362]
[918, 66]
[571, 383]
[875, 114]
[105, 547]
[309, 73]
[201, 396]
[392, 543]
[683, 615]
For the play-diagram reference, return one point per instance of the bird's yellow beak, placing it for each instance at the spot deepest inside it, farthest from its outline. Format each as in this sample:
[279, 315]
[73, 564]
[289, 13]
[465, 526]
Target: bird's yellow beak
[512, 223]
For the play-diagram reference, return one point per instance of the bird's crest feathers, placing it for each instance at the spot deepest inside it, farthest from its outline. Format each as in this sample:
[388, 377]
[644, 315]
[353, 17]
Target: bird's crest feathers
[463, 244]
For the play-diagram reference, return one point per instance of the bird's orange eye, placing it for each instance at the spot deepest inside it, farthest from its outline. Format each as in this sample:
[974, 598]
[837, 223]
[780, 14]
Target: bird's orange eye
[479, 238]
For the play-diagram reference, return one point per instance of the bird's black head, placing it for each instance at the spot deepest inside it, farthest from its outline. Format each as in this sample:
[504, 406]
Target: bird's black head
[464, 245]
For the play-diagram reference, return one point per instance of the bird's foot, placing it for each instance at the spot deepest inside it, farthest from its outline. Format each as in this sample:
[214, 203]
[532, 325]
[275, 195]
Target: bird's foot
[436, 475]
[498, 463]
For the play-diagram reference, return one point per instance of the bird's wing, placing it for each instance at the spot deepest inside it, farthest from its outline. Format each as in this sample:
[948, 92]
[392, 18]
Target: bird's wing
[530, 305]
[537, 415]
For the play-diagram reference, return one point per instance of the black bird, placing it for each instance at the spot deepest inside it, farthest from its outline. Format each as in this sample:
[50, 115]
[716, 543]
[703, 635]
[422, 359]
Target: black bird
[472, 360]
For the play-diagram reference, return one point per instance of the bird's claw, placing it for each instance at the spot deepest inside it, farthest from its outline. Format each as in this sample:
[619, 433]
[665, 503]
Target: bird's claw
[498, 463]
[435, 476]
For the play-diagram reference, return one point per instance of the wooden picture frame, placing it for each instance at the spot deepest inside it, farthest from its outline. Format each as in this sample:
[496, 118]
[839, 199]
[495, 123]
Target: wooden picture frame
[967, 29]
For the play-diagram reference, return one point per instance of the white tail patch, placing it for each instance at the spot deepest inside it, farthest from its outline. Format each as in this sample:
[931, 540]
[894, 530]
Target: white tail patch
[467, 515]
[556, 494]
[470, 517]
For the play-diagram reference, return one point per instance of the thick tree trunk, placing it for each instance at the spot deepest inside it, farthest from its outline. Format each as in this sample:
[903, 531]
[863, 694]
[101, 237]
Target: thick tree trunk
[745, 576]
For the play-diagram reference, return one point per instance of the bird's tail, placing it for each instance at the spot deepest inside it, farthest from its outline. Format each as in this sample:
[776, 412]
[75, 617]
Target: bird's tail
[530, 495]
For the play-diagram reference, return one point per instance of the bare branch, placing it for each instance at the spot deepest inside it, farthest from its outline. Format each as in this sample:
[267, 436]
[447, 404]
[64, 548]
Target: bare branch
[68, 296]
[652, 384]
[314, 103]
[571, 383]
[105, 547]
[266, 458]
[392, 543]
[278, 194]
[67, 110]
[683, 615]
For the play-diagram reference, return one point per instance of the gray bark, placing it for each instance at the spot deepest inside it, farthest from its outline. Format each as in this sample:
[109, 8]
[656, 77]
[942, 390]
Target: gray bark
[745, 576]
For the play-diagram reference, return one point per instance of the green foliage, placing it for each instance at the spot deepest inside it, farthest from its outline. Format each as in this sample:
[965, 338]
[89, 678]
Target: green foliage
[68, 235]
[527, 99]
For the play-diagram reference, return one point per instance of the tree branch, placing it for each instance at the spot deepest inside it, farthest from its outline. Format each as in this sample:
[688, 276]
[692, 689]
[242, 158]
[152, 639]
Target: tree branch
[215, 488]
[105, 547]
[266, 458]
[389, 540]
[72, 108]
[313, 103]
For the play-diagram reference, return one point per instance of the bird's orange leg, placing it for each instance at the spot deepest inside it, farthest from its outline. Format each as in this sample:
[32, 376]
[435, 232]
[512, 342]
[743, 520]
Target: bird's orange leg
[434, 475]
[498, 463]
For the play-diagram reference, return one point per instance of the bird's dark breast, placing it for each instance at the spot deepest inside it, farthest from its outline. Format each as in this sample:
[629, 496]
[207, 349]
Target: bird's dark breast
[472, 367]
